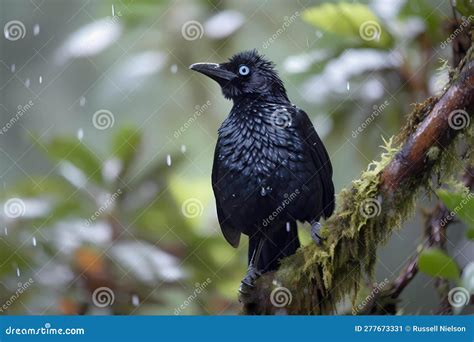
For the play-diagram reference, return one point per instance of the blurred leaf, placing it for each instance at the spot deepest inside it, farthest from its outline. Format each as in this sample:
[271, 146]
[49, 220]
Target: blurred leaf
[350, 20]
[126, 145]
[72, 150]
[462, 204]
[437, 263]
[465, 7]
[430, 12]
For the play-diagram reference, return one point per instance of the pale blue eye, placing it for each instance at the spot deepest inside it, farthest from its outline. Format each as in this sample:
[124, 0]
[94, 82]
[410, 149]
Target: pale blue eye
[244, 70]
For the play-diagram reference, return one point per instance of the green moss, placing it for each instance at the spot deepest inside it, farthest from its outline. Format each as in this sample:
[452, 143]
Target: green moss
[363, 221]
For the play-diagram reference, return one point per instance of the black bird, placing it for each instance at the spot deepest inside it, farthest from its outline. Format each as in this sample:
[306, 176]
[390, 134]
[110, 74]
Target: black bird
[270, 166]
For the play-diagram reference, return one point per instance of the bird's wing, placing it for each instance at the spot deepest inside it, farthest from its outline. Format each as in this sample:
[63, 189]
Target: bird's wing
[231, 234]
[321, 159]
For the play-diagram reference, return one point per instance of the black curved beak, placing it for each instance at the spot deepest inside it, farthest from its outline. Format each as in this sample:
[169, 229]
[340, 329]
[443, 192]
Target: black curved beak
[214, 71]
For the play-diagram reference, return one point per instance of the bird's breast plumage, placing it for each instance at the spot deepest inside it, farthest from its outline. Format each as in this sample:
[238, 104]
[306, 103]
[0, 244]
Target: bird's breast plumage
[260, 153]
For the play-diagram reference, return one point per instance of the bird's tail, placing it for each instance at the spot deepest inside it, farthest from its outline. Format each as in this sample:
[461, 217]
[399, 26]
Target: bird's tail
[282, 243]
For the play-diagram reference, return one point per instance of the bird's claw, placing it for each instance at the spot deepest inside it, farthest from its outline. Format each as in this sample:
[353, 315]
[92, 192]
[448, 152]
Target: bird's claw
[315, 233]
[247, 285]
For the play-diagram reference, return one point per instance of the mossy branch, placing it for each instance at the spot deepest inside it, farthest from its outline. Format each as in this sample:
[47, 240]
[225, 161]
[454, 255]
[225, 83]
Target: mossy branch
[376, 204]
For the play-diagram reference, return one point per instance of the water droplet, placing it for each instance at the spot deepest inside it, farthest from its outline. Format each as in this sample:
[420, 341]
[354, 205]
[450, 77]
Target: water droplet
[27, 83]
[288, 226]
[82, 101]
[263, 192]
[168, 160]
[36, 29]
[135, 300]
[33, 240]
[13, 67]
[348, 86]
[80, 134]
[40, 79]
[6, 231]
[183, 148]
[174, 68]
[113, 10]
[18, 272]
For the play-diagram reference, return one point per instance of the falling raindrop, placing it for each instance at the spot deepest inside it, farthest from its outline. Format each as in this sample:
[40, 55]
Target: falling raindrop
[168, 160]
[80, 134]
[18, 272]
[33, 240]
[113, 10]
[6, 231]
[183, 148]
[348, 86]
[135, 300]
[13, 67]
[36, 30]
[288, 227]
[40, 79]
[82, 101]
[27, 83]
[174, 68]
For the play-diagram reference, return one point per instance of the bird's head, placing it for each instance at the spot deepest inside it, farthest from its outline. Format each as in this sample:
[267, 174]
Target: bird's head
[246, 74]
